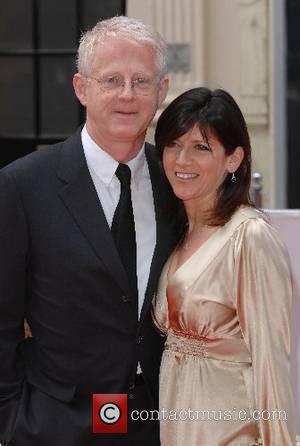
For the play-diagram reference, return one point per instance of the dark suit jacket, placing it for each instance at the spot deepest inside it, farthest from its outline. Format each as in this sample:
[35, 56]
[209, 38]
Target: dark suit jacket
[59, 268]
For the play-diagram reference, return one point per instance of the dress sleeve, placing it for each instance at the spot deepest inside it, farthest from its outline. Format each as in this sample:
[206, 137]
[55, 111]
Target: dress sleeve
[263, 299]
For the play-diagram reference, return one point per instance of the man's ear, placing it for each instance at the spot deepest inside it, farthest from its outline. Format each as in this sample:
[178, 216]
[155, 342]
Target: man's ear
[234, 160]
[163, 90]
[80, 87]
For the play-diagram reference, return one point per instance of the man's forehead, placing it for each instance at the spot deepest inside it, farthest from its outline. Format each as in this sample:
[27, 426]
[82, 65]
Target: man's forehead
[125, 41]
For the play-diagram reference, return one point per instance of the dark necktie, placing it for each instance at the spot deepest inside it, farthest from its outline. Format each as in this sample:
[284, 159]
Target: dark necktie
[123, 229]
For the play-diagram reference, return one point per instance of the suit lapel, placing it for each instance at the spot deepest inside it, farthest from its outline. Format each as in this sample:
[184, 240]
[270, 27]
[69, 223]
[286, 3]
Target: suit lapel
[78, 194]
[80, 198]
[165, 227]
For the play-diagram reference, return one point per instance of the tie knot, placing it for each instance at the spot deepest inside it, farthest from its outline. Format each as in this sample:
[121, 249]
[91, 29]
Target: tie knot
[123, 172]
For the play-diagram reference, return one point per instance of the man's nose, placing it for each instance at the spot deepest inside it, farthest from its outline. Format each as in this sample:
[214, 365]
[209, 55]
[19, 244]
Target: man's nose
[127, 90]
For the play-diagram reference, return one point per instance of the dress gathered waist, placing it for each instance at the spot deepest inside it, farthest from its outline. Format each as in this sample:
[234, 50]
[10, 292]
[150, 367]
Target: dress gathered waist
[225, 349]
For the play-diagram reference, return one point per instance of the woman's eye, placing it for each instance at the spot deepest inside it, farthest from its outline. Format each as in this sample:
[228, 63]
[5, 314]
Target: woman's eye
[202, 147]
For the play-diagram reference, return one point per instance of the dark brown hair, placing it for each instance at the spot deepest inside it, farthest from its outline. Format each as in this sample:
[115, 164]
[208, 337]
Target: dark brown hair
[216, 113]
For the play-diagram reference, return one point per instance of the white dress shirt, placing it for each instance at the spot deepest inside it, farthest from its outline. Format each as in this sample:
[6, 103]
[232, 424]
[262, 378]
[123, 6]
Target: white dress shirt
[102, 168]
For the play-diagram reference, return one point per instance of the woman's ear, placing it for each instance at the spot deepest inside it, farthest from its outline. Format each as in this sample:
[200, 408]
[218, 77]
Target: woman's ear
[234, 160]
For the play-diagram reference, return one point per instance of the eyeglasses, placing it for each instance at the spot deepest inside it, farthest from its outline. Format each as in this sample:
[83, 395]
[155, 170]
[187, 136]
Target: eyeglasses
[141, 85]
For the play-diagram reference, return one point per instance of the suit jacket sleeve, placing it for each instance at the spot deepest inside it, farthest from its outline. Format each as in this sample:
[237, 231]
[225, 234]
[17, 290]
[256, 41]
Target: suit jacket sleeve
[13, 249]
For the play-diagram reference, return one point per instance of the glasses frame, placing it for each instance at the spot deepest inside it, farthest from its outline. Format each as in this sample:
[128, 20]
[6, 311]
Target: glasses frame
[118, 89]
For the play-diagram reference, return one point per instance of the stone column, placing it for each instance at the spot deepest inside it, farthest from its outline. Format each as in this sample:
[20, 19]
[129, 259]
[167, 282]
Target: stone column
[182, 24]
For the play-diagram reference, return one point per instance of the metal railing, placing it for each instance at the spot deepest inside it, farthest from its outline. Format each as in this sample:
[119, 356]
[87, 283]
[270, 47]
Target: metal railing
[257, 189]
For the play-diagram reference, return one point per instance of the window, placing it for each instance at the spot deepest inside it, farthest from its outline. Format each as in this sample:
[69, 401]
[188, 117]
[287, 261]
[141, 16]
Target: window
[38, 43]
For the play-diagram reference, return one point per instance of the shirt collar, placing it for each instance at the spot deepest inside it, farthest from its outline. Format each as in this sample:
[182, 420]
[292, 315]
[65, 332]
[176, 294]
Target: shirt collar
[138, 167]
[105, 166]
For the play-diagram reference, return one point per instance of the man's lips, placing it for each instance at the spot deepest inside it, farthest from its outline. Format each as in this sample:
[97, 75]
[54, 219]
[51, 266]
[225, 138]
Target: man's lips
[125, 112]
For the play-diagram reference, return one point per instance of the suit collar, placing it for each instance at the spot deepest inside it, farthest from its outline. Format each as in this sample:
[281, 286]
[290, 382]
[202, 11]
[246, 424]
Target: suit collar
[105, 166]
[71, 157]
[80, 198]
[166, 235]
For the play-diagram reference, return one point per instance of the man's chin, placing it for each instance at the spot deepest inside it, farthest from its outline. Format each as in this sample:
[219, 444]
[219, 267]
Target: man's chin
[127, 133]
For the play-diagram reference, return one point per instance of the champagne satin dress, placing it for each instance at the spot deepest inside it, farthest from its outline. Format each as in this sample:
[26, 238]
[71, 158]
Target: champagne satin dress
[226, 313]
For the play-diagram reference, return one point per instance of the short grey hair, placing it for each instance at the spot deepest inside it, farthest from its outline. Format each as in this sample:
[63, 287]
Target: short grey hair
[119, 27]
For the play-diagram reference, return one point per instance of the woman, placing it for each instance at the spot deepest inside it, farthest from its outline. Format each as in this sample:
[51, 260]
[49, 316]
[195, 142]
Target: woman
[225, 293]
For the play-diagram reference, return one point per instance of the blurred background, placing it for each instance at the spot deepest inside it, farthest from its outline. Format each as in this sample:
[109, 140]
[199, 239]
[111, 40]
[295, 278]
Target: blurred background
[249, 47]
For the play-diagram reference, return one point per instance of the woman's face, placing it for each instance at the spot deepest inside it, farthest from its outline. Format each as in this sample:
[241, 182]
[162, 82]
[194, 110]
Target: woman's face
[196, 168]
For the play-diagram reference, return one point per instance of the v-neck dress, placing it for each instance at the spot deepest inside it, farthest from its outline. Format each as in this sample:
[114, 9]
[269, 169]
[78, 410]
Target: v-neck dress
[225, 313]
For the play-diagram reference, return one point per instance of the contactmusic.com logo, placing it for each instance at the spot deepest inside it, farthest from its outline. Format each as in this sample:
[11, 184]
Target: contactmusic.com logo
[110, 413]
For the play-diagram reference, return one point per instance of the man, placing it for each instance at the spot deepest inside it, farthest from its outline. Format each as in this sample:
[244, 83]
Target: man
[85, 291]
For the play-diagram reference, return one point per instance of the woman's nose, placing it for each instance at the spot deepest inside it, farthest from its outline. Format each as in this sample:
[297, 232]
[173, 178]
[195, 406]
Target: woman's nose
[183, 157]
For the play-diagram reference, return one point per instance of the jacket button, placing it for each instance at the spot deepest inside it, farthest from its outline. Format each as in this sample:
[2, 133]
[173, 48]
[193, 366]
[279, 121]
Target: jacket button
[125, 299]
[140, 340]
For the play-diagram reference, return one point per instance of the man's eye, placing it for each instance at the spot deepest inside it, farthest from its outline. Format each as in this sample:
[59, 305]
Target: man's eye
[141, 82]
[111, 80]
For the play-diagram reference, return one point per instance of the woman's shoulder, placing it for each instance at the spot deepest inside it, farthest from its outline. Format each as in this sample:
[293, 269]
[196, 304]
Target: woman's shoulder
[256, 231]
[248, 213]
[248, 218]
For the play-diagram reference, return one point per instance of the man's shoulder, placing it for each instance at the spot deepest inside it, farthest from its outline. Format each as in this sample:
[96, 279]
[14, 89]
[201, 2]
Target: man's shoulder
[40, 160]
[34, 160]
[152, 159]
[150, 150]
[149, 145]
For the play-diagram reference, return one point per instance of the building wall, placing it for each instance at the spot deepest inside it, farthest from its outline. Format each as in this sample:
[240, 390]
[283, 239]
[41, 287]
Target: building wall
[226, 44]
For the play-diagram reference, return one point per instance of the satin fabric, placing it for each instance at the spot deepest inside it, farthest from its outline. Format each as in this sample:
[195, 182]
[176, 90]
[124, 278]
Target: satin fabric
[226, 312]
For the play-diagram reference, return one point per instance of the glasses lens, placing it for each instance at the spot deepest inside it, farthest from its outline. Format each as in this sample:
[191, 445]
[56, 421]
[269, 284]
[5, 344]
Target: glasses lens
[111, 83]
[115, 84]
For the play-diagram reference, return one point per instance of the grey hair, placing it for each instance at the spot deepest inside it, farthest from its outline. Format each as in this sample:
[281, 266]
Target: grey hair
[119, 27]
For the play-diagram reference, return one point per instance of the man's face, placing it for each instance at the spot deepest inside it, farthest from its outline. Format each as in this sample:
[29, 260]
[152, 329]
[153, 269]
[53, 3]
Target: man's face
[121, 116]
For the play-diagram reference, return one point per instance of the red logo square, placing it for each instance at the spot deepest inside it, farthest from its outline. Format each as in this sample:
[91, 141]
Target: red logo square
[110, 413]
